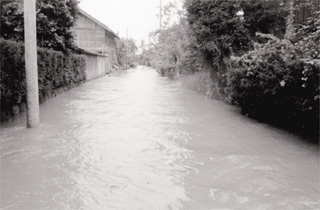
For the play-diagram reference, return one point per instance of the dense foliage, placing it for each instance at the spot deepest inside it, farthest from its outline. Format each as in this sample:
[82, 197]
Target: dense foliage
[126, 53]
[171, 50]
[54, 21]
[222, 28]
[254, 55]
[278, 81]
[55, 70]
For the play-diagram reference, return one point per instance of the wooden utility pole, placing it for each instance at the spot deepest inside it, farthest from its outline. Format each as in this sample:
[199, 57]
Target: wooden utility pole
[160, 14]
[30, 40]
[160, 19]
[127, 45]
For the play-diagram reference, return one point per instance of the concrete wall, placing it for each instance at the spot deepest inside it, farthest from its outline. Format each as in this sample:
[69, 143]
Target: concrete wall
[97, 65]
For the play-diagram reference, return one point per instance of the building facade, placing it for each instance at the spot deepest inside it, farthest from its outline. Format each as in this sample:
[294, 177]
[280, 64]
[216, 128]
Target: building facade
[94, 36]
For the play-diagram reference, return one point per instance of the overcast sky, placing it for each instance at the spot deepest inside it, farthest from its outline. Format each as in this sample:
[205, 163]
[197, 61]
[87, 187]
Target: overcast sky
[139, 16]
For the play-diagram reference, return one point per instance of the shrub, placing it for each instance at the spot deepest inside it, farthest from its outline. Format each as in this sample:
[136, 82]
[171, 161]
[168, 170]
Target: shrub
[55, 19]
[220, 31]
[12, 75]
[278, 83]
[286, 94]
[55, 70]
[126, 52]
[133, 65]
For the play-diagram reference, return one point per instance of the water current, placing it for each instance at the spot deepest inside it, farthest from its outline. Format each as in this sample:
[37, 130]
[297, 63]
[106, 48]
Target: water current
[135, 140]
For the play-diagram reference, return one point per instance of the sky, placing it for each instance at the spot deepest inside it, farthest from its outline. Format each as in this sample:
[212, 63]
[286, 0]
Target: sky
[138, 16]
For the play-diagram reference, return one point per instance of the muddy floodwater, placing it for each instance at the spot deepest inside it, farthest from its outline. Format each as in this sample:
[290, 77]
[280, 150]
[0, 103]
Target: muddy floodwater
[135, 140]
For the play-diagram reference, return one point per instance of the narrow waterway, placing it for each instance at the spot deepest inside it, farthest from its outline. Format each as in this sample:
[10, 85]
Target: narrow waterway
[135, 140]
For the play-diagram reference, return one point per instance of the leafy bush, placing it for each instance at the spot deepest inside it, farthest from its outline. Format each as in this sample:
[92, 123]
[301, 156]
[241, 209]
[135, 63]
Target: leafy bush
[307, 38]
[279, 92]
[12, 74]
[223, 28]
[55, 70]
[278, 82]
[126, 53]
[55, 19]
[220, 30]
[133, 65]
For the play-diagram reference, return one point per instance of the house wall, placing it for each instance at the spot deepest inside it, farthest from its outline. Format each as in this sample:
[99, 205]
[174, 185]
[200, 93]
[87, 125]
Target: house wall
[97, 65]
[89, 35]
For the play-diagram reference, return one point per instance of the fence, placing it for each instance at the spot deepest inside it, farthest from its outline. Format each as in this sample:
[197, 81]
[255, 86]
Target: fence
[304, 9]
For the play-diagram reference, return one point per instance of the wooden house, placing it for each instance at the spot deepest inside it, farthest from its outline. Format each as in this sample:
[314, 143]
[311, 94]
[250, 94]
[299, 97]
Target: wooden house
[92, 35]
[98, 44]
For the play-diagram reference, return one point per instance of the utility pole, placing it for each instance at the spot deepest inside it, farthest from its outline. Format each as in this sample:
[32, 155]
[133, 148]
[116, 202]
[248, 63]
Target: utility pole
[30, 37]
[127, 48]
[160, 19]
[160, 16]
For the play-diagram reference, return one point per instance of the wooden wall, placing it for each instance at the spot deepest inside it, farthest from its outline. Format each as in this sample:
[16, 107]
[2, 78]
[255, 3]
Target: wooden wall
[97, 65]
[90, 35]
[303, 11]
[303, 8]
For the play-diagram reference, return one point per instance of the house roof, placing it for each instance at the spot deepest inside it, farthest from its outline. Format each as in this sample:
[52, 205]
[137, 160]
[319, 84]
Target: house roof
[98, 22]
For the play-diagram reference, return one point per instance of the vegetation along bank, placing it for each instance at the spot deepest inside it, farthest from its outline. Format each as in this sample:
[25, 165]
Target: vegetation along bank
[259, 55]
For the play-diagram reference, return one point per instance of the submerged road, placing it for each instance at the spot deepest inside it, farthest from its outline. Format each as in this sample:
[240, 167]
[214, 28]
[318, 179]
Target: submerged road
[136, 140]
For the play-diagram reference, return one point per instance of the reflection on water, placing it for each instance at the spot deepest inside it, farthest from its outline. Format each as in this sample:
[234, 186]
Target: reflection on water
[139, 141]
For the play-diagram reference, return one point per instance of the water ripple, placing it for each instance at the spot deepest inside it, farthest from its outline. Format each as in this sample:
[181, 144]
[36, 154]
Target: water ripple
[139, 141]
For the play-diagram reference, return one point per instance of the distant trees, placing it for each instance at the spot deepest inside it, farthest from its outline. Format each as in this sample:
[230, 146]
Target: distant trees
[126, 52]
[169, 47]
[54, 21]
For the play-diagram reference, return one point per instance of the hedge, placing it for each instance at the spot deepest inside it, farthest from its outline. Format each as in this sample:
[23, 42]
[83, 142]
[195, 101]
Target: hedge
[278, 82]
[55, 70]
[278, 91]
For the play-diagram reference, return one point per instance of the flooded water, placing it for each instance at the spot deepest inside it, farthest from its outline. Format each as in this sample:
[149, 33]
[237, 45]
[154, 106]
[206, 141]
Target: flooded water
[135, 140]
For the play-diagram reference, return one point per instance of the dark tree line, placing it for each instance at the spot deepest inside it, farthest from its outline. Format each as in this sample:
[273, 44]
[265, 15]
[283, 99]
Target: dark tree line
[55, 19]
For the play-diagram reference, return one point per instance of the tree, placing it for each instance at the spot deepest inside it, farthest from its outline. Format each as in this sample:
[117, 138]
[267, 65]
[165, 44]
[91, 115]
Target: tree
[168, 48]
[54, 21]
[222, 28]
[126, 52]
[278, 81]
